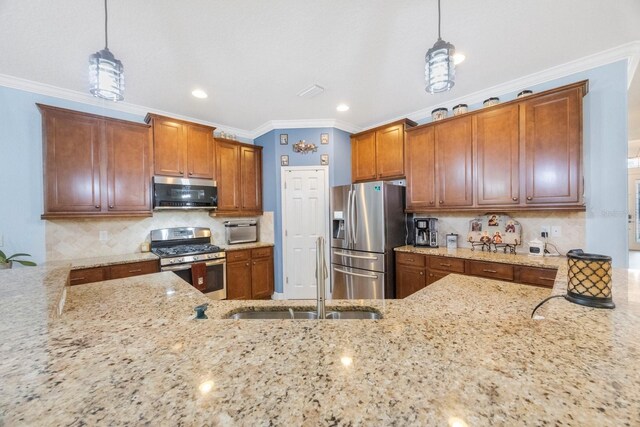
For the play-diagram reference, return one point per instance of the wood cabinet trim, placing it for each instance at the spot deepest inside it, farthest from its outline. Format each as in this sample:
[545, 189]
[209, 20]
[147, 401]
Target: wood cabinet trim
[406, 122]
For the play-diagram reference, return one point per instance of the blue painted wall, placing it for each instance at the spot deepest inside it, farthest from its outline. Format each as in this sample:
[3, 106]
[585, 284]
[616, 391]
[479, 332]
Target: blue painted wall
[21, 202]
[339, 151]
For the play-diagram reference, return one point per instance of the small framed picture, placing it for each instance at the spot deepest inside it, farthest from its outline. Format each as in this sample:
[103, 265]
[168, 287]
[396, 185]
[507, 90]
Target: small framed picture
[324, 159]
[284, 139]
[284, 160]
[324, 138]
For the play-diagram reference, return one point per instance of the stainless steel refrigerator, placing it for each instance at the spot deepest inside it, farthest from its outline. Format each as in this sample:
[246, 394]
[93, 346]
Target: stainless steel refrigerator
[367, 222]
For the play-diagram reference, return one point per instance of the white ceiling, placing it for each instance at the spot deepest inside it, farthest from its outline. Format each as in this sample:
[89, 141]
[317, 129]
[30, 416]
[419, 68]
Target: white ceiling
[254, 56]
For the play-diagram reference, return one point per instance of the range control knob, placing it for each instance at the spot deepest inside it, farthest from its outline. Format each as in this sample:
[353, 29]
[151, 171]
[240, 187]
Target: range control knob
[195, 257]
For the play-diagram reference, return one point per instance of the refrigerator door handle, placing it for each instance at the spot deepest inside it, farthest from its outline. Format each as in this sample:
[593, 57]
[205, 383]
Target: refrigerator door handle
[368, 276]
[373, 258]
[354, 231]
[347, 220]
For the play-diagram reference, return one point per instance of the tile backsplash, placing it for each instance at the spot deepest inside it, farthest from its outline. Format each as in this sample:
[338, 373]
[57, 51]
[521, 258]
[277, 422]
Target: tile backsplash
[572, 228]
[71, 239]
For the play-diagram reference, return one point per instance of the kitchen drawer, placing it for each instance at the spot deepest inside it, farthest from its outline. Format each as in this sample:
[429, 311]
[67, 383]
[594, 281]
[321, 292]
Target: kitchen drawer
[536, 276]
[261, 252]
[243, 255]
[451, 265]
[407, 258]
[133, 269]
[87, 275]
[493, 270]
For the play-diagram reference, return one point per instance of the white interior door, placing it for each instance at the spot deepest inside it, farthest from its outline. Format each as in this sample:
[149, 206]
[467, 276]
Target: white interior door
[305, 208]
[634, 208]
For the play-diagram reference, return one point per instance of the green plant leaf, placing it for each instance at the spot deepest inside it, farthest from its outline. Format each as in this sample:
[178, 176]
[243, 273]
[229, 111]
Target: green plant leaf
[3, 257]
[16, 255]
[27, 263]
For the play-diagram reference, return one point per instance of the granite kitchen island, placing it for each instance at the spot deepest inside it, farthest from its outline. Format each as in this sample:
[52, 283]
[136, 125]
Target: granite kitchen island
[462, 351]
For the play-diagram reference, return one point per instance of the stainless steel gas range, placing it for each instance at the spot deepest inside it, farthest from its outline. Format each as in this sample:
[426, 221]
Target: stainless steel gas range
[188, 252]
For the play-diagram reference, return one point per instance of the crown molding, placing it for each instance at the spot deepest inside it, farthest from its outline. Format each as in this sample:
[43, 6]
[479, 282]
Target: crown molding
[305, 124]
[628, 51]
[85, 98]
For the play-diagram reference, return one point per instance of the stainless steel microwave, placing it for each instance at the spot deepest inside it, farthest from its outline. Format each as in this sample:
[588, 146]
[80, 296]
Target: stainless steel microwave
[182, 193]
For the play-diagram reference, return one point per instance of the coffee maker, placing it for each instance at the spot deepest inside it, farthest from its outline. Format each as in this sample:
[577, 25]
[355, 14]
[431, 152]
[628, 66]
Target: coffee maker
[426, 232]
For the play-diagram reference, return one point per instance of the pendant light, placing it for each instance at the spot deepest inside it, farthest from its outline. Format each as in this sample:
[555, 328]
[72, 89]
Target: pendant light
[106, 74]
[439, 70]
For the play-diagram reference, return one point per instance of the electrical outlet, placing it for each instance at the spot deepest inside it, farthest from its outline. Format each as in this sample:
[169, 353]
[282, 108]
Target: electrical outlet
[556, 231]
[104, 235]
[545, 229]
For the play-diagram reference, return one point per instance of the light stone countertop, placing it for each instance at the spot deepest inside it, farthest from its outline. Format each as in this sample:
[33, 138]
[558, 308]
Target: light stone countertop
[240, 246]
[499, 256]
[462, 350]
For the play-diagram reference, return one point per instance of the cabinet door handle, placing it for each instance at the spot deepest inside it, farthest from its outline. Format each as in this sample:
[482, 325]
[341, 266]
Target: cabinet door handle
[137, 270]
[445, 265]
[181, 172]
[78, 278]
[546, 278]
[410, 259]
[515, 199]
[422, 273]
[441, 202]
[97, 206]
[247, 264]
[190, 173]
[489, 271]
[110, 206]
[432, 202]
[254, 263]
[529, 198]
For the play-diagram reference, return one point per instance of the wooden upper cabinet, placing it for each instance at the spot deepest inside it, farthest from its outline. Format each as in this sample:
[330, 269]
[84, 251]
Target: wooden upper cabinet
[228, 175]
[239, 178]
[390, 146]
[420, 168]
[552, 130]
[497, 156]
[251, 178]
[200, 152]
[128, 166]
[169, 159]
[379, 153]
[72, 161]
[454, 163]
[182, 149]
[94, 165]
[363, 157]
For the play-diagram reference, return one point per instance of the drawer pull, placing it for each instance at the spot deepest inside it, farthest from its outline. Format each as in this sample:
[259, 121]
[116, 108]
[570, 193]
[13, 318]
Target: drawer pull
[421, 273]
[489, 271]
[515, 199]
[78, 278]
[445, 265]
[137, 270]
[546, 278]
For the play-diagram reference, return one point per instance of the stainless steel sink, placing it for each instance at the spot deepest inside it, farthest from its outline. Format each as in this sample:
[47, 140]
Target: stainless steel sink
[305, 315]
[353, 315]
[273, 315]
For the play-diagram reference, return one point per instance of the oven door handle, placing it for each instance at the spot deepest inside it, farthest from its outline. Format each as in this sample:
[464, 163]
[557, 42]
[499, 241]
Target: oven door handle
[182, 267]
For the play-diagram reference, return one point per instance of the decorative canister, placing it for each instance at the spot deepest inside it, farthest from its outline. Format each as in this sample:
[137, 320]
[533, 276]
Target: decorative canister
[460, 109]
[589, 279]
[452, 241]
[439, 114]
[491, 101]
[525, 93]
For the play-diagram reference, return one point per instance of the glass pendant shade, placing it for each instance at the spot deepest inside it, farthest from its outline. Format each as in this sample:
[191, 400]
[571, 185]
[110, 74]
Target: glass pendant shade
[439, 70]
[106, 76]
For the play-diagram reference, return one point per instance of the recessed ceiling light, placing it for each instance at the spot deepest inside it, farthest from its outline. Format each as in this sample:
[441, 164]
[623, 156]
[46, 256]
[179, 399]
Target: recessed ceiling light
[199, 93]
[342, 107]
[458, 58]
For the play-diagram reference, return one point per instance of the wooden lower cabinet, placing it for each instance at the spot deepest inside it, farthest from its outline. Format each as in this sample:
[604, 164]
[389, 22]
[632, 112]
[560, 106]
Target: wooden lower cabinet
[416, 271]
[250, 273]
[116, 271]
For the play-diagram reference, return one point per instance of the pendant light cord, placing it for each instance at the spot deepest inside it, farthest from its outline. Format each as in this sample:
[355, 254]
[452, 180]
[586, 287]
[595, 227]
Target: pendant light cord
[106, 37]
[439, 38]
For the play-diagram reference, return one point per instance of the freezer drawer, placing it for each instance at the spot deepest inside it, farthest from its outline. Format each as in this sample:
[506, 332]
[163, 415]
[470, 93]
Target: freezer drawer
[362, 260]
[354, 283]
